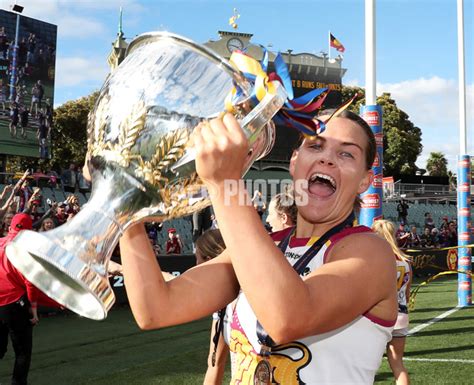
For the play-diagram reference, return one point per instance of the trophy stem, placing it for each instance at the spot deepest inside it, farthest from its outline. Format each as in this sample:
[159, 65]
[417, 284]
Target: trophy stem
[69, 263]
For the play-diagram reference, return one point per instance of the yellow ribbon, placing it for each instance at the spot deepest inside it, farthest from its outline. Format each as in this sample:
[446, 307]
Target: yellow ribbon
[249, 65]
[414, 292]
[440, 249]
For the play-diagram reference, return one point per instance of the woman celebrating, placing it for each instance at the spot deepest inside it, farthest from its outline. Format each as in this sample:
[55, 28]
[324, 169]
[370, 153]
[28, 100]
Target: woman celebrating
[396, 347]
[317, 309]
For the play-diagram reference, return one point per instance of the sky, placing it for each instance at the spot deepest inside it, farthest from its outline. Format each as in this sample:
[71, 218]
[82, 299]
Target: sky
[416, 56]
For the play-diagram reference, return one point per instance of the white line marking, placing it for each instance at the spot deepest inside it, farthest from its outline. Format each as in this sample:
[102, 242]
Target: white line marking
[438, 360]
[416, 329]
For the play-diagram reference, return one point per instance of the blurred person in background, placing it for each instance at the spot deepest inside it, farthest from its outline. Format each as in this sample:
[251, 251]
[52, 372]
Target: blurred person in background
[426, 238]
[173, 244]
[46, 225]
[18, 305]
[414, 239]
[208, 246]
[69, 178]
[402, 236]
[429, 222]
[282, 212]
[259, 203]
[396, 347]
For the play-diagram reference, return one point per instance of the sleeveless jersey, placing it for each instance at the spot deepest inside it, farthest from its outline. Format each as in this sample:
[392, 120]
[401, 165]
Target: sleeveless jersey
[403, 279]
[350, 354]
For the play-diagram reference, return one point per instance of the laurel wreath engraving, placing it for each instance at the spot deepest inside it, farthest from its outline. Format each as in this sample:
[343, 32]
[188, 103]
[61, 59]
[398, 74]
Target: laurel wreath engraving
[154, 170]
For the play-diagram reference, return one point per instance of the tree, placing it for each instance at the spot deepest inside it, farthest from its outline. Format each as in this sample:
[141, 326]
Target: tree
[70, 131]
[402, 139]
[437, 164]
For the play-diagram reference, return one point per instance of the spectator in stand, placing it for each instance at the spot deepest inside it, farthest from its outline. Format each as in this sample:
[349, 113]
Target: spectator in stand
[435, 237]
[33, 204]
[173, 244]
[69, 178]
[53, 178]
[152, 232]
[7, 219]
[83, 184]
[452, 236]
[426, 238]
[259, 203]
[10, 192]
[46, 225]
[402, 236]
[414, 239]
[402, 210]
[444, 224]
[429, 222]
[60, 216]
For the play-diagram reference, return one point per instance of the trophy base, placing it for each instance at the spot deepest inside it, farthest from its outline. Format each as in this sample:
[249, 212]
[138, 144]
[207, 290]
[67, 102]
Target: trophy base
[61, 276]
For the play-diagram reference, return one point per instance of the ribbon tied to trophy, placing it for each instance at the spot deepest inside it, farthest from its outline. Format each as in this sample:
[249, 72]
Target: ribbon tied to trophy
[297, 112]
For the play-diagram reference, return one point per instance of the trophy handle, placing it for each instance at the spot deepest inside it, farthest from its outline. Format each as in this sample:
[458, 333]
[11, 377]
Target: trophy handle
[252, 124]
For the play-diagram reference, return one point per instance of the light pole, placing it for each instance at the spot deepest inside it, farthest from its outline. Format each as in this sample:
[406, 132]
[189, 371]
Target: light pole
[18, 9]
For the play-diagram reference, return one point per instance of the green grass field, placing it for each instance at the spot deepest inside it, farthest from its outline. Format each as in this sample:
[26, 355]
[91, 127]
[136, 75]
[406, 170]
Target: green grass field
[72, 350]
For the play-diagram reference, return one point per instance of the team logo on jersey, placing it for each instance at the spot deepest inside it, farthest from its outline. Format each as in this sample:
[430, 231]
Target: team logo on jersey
[286, 369]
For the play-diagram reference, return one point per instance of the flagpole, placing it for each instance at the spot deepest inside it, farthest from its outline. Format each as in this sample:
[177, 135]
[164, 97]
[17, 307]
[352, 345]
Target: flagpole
[329, 44]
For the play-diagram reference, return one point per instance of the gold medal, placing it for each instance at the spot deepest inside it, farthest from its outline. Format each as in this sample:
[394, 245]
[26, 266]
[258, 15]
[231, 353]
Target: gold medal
[263, 373]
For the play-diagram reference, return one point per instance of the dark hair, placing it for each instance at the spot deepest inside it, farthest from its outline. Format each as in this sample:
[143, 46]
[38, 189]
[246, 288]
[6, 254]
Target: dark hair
[210, 244]
[371, 149]
[285, 204]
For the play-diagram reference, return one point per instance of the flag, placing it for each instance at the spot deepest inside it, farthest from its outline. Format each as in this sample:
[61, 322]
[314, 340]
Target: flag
[333, 42]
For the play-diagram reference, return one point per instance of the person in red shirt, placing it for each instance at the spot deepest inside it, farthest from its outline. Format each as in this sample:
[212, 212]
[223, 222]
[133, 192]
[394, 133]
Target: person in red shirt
[18, 305]
[173, 244]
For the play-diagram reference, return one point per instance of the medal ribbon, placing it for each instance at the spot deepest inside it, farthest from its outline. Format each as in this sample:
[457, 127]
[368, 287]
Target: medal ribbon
[300, 265]
[298, 112]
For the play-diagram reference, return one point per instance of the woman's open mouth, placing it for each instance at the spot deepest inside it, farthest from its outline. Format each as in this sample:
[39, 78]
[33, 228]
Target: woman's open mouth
[321, 185]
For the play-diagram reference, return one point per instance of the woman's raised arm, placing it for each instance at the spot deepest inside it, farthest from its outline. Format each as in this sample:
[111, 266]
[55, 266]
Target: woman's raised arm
[156, 303]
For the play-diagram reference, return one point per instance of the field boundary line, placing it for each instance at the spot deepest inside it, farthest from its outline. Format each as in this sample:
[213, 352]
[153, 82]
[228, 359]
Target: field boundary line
[416, 329]
[439, 360]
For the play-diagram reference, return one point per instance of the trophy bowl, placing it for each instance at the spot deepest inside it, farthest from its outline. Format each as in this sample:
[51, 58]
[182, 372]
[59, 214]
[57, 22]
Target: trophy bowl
[140, 162]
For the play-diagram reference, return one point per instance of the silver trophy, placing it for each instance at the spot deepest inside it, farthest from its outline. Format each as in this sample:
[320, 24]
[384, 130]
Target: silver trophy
[140, 162]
